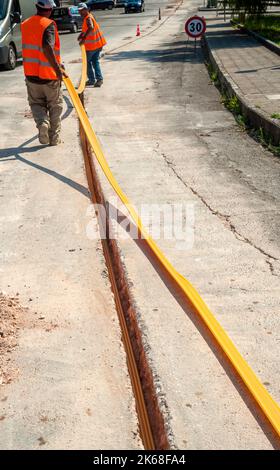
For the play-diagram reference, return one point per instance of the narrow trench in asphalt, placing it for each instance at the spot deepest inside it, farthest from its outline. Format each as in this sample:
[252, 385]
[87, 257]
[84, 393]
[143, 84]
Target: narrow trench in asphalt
[150, 418]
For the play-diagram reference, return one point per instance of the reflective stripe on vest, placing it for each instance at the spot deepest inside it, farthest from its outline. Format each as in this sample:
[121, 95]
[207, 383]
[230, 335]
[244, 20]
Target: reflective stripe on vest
[35, 62]
[37, 48]
[95, 40]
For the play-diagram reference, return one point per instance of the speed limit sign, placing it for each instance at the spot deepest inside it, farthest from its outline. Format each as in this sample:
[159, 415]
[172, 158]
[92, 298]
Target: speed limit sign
[195, 26]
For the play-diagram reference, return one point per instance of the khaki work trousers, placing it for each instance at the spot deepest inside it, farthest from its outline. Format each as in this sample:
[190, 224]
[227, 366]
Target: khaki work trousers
[46, 103]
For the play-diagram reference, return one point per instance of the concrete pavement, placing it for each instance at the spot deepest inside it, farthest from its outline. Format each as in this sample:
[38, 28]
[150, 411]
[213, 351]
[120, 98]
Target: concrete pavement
[168, 139]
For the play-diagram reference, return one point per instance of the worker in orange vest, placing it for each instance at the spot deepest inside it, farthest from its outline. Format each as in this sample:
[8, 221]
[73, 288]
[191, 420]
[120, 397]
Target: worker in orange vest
[93, 39]
[43, 71]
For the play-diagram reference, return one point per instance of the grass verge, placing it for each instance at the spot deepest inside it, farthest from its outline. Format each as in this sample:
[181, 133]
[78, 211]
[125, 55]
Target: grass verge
[267, 26]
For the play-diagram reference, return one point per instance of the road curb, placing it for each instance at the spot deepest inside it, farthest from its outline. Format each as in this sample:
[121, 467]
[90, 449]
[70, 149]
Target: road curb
[256, 118]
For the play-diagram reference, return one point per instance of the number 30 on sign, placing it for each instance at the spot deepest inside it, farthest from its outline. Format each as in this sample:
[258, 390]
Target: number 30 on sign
[195, 26]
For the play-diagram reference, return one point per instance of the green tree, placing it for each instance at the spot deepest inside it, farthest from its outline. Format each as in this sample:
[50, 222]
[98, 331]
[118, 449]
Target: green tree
[249, 6]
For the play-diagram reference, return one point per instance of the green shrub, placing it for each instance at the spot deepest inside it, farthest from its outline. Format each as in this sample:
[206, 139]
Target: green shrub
[233, 105]
[268, 26]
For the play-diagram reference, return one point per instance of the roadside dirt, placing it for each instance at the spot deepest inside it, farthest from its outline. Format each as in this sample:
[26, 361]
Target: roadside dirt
[12, 319]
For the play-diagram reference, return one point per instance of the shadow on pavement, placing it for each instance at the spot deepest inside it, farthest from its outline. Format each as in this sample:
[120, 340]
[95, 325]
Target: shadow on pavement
[78, 187]
[230, 39]
[185, 52]
[14, 153]
[69, 108]
[272, 68]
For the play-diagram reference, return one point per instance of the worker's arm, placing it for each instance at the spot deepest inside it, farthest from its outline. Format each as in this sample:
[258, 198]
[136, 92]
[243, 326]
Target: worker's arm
[90, 28]
[48, 45]
[49, 53]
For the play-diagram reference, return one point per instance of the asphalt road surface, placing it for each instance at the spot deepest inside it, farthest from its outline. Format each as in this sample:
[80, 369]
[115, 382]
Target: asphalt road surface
[116, 25]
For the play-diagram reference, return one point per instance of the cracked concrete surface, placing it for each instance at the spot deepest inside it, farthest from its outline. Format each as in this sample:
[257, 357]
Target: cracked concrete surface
[225, 218]
[171, 140]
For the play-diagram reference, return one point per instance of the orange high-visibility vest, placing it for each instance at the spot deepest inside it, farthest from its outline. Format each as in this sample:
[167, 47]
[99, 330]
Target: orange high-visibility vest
[95, 40]
[35, 62]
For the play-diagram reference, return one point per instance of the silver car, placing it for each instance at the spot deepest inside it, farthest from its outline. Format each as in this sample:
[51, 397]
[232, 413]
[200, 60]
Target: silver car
[12, 13]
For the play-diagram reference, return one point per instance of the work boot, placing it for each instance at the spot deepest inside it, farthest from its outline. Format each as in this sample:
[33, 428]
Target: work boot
[89, 83]
[98, 83]
[44, 133]
[55, 141]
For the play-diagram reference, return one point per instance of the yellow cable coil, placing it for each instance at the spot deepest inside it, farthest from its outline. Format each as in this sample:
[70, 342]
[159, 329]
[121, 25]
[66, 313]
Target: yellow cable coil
[269, 407]
[84, 71]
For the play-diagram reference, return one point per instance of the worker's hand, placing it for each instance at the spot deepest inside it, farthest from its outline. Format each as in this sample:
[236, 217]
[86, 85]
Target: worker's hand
[80, 37]
[62, 68]
[81, 42]
[59, 74]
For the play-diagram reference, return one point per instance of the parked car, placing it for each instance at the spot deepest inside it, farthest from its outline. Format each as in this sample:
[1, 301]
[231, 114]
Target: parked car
[120, 3]
[101, 4]
[12, 13]
[67, 18]
[138, 6]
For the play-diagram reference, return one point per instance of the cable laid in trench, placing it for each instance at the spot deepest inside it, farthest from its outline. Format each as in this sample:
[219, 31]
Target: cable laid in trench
[263, 399]
[143, 416]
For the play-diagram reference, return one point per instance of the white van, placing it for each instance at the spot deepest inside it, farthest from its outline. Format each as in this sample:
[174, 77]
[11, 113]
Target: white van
[12, 13]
